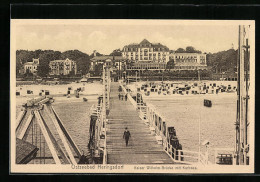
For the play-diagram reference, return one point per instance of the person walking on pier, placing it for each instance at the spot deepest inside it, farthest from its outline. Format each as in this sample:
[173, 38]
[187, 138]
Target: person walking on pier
[125, 97]
[119, 96]
[126, 136]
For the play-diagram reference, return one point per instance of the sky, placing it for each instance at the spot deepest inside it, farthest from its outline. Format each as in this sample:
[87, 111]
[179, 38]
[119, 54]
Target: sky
[105, 37]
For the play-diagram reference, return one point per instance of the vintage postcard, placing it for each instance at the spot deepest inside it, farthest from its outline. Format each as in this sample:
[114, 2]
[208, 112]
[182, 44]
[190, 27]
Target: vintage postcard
[132, 96]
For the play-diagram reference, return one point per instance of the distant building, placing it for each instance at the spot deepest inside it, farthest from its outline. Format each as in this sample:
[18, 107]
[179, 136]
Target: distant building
[31, 67]
[63, 67]
[115, 62]
[189, 61]
[146, 55]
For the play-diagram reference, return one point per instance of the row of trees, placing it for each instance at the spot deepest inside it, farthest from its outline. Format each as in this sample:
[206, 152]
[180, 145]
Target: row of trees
[223, 61]
[82, 59]
[218, 62]
[188, 49]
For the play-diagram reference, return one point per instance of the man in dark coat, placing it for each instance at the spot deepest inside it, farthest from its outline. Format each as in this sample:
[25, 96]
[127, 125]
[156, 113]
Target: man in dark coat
[125, 97]
[126, 136]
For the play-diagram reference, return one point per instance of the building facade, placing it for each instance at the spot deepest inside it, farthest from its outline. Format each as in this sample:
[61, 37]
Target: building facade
[62, 67]
[146, 55]
[31, 67]
[115, 62]
[189, 61]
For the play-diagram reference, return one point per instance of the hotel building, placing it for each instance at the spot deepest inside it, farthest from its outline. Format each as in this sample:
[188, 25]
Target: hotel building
[146, 55]
[62, 67]
[189, 61]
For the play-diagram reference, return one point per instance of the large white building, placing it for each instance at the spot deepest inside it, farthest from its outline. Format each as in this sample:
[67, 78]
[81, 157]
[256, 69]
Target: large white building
[189, 61]
[146, 55]
[117, 62]
[62, 67]
[31, 67]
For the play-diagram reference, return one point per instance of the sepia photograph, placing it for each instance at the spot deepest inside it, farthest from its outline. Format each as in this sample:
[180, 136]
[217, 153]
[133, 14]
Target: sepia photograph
[132, 96]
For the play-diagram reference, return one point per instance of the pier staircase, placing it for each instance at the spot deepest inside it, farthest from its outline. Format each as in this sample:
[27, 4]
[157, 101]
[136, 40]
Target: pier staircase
[142, 147]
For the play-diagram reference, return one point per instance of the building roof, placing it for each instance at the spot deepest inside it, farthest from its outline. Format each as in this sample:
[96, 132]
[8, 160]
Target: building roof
[30, 63]
[146, 43]
[104, 58]
[24, 151]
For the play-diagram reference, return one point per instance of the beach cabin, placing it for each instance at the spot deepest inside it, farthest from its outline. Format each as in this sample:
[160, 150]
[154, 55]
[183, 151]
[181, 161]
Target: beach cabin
[17, 93]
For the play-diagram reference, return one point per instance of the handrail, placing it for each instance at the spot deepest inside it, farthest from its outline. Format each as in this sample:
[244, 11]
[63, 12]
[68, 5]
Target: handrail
[105, 145]
[173, 153]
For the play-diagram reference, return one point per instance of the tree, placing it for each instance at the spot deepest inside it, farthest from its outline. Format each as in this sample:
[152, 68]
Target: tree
[98, 69]
[22, 56]
[180, 50]
[223, 60]
[72, 73]
[170, 64]
[116, 52]
[171, 51]
[97, 54]
[18, 66]
[191, 49]
[43, 70]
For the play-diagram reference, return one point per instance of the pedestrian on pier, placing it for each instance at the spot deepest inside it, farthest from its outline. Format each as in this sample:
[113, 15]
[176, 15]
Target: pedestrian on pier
[119, 96]
[126, 136]
[125, 97]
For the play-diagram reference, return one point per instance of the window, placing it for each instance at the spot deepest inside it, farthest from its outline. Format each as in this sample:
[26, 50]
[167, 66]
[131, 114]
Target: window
[146, 52]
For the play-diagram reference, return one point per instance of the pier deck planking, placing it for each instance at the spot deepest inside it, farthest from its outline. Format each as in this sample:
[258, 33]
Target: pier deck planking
[142, 147]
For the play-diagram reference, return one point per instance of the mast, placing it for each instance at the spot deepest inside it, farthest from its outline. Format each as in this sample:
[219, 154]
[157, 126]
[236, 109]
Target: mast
[246, 100]
[237, 124]
[242, 146]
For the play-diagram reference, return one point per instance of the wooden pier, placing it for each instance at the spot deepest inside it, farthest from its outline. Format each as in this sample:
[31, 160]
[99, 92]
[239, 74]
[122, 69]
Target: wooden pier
[142, 148]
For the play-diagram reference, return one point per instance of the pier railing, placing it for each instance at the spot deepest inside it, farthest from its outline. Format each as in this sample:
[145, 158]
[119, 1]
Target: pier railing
[105, 146]
[155, 121]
